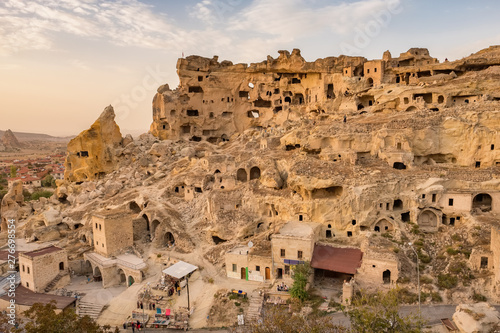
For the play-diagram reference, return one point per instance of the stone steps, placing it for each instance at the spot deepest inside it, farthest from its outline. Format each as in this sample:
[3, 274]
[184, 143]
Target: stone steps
[89, 309]
[255, 307]
[54, 281]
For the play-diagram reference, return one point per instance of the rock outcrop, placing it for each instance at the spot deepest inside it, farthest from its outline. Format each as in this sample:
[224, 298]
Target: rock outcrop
[92, 154]
[11, 204]
[9, 141]
[476, 318]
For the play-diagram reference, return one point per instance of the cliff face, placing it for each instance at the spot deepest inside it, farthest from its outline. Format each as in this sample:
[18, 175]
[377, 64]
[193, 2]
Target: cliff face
[92, 153]
[238, 151]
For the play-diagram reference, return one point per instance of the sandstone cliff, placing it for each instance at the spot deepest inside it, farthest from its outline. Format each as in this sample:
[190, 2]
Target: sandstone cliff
[92, 153]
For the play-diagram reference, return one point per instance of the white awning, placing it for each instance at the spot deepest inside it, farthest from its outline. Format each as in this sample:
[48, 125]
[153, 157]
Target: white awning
[180, 269]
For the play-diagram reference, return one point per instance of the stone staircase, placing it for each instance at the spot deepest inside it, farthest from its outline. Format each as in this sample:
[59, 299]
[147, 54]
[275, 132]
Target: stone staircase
[52, 283]
[255, 307]
[92, 310]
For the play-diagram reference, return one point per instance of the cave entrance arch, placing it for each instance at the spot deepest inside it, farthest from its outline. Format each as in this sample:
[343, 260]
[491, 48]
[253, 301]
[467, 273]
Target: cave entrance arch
[168, 239]
[154, 225]
[241, 175]
[386, 276]
[428, 219]
[483, 201]
[254, 173]
[123, 277]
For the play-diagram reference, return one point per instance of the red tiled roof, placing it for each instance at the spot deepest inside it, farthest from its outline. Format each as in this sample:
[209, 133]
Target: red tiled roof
[336, 259]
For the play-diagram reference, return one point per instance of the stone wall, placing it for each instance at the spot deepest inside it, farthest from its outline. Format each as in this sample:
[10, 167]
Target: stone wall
[38, 271]
[112, 233]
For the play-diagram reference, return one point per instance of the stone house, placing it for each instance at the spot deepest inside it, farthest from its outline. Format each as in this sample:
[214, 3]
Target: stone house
[113, 235]
[44, 269]
[245, 263]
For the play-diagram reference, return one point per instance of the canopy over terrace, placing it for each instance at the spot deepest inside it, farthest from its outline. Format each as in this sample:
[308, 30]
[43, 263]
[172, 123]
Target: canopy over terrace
[336, 259]
[180, 270]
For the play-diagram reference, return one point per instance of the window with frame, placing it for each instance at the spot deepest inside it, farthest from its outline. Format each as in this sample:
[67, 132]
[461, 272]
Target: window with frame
[282, 253]
[299, 254]
[235, 267]
[257, 268]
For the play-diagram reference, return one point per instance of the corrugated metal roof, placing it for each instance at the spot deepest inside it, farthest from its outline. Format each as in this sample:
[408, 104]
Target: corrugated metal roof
[336, 259]
[180, 269]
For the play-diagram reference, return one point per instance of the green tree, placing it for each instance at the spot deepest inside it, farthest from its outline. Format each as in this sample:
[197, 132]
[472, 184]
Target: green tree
[301, 274]
[379, 313]
[48, 181]
[38, 194]
[44, 319]
[276, 319]
[13, 171]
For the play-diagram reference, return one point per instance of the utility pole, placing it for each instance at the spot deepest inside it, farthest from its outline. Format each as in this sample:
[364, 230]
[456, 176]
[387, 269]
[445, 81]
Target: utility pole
[187, 286]
[418, 280]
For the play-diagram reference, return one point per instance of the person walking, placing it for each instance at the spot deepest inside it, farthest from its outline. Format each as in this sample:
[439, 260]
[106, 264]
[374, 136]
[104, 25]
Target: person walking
[178, 290]
[133, 327]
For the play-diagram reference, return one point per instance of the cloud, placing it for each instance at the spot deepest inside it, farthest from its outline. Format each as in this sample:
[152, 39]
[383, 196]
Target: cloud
[291, 19]
[77, 63]
[237, 28]
[32, 25]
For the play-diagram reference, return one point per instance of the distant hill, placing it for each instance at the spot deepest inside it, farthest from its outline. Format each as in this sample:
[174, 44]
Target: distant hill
[23, 137]
[9, 140]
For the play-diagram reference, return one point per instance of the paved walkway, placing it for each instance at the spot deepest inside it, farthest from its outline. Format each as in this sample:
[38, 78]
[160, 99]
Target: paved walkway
[432, 313]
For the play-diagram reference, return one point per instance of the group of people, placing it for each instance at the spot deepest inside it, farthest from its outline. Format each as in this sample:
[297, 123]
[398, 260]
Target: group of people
[150, 305]
[137, 325]
[282, 287]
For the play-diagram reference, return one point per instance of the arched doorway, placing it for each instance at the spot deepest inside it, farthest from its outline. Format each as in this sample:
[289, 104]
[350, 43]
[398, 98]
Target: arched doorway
[87, 267]
[130, 280]
[61, 266]
[370, 82]
[398, 204]
[386, 276]
[97, 274]
[483, 201]
[427, 219]
[254, 173]
[145, 217]
[241, 175]
[243, 273]
[154, 225]
[168, 239]
[123, 277]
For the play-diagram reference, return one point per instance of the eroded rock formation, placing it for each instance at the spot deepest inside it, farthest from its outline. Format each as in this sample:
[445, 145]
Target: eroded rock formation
[238, 151]
[92, 153]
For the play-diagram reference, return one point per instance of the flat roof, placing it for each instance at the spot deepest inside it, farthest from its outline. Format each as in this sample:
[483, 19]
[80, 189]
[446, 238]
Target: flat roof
[297, 229]
[180, 269]
[113, 213]
[24, 296]
[4, 255]
[42, 251]
[336, 259]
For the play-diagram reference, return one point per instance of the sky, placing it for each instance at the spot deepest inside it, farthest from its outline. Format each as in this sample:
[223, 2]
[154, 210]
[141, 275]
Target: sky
[63, 61]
